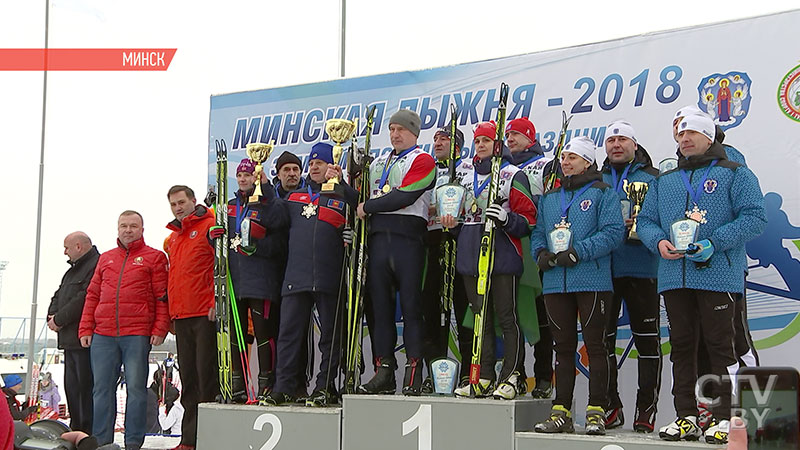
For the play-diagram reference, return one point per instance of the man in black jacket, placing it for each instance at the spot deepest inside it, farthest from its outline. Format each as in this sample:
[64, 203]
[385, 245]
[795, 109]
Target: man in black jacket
[63, 317]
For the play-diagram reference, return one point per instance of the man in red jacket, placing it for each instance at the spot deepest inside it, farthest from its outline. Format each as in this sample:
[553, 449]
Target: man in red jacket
[124, 315]
[191, 305]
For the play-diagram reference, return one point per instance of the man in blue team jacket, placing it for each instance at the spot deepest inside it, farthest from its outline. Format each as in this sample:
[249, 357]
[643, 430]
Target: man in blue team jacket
[725, 201]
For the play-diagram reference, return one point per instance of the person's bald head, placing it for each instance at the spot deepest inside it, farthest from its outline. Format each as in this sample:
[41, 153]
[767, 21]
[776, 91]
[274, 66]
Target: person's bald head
[77, 244]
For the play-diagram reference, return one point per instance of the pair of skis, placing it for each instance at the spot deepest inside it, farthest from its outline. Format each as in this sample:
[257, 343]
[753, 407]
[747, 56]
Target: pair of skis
[222, 303]
[224, 297]
[448, 245]
[486, 249]
[360, 160]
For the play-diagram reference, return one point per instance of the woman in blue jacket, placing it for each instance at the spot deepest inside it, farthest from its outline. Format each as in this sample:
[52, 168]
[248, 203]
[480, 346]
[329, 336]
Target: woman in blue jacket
[579, 225]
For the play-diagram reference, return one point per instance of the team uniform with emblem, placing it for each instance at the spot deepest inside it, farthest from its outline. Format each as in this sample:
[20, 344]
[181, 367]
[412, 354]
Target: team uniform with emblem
[313, 277]
[578, 286]
[400, 183]
[256, 274]
[634, 270]
[515, 198]
[727, 203]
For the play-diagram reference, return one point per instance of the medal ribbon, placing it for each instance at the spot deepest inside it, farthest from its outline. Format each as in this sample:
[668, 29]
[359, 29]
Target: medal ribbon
[530, 161]
[387, 168]
[564, 205]
[313, 197]
[240, 214]
[477, 190]
[618, 185]
[696, 194]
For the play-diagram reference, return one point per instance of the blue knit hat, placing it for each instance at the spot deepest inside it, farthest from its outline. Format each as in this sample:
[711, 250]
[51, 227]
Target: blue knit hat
[12, 380]
[322, 151]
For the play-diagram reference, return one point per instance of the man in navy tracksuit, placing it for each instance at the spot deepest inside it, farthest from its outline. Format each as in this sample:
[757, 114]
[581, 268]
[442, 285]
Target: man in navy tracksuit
[634, 269]
[256, 269]
[313, 277]
[579, 225]
[701, 284]
[400, 185]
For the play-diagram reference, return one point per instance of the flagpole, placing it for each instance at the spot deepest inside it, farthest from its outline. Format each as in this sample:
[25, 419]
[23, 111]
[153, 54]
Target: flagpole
[342, 34]
[32, 332]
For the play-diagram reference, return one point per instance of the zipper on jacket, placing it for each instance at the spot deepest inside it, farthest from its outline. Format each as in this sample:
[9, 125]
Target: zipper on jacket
[119, 283]
[687, 208]
[313, 248]
[728, 258]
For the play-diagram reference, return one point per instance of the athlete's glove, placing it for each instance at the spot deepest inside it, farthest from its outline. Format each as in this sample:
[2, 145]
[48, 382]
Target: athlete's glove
[497, 214]
[347, 236]
[215, 232]
[700, 251]
[567, 258]
[546, 260]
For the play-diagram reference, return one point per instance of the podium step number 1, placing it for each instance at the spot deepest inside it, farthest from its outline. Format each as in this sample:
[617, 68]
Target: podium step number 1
[420, 421]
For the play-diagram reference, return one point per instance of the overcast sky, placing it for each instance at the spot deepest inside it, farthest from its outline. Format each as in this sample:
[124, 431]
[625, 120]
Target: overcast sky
[118, 141]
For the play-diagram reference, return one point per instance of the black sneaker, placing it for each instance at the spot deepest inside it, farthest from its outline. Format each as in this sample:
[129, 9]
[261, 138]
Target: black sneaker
[427, 386]
[275, 399]
[543, 389]
[412, 381]
[265, 383]
[382, 382]
[238, 388]
[645, 420]
[614, 418]
[323, 397]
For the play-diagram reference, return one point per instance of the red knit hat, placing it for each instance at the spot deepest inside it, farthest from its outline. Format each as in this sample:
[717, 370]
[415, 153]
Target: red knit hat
[524, 127]
[488, 129]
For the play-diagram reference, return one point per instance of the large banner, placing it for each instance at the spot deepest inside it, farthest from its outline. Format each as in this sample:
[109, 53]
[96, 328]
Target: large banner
[745, 73]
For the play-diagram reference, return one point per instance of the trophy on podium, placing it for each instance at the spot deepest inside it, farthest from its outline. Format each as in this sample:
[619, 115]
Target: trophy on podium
[636, 192]
[258, 153]
[340, 131]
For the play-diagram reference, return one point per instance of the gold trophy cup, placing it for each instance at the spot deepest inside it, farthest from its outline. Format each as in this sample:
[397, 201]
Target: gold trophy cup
[340, 131]
[258, 153]
[636, 192]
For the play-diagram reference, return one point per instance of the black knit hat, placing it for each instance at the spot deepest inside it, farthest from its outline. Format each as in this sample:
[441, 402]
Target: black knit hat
[287, 157]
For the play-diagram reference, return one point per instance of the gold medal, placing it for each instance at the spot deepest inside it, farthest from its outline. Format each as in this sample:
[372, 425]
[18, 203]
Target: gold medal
[474, 207]
[563, 224]
[386, 188]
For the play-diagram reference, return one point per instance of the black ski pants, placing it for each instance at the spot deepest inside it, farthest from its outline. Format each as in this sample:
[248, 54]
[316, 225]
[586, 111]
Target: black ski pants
[196, 338]
[395, 267]
[590, 307]
[642, 299]
[503, 305]
[686, 310]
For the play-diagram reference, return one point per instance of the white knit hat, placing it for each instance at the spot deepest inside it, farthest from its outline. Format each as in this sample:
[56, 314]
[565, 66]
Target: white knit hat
[620, 128]
[581, 146]
[688, 110]
[700, 123]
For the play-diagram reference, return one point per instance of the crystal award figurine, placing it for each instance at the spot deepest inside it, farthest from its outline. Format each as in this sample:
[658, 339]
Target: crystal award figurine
[682, 233]
[450, 200]
[445, 375]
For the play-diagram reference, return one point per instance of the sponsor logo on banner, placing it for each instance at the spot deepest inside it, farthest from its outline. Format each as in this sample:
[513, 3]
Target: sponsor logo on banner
[725, 97]
[789, 94]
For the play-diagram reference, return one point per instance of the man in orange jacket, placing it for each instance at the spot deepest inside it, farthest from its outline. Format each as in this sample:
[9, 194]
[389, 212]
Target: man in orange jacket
[191, 305]
[125, 314]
